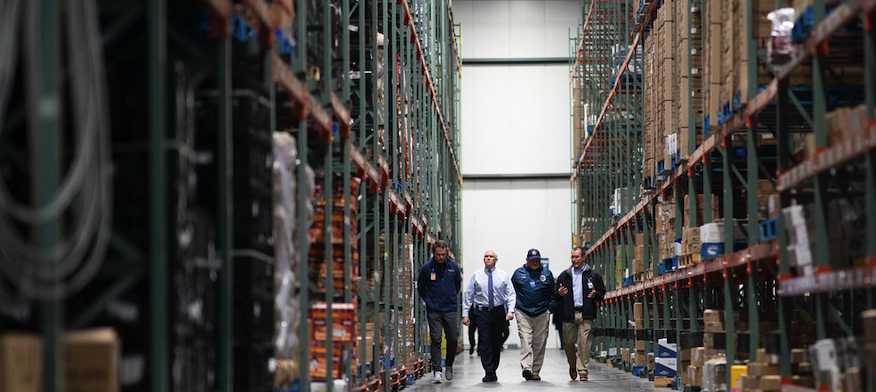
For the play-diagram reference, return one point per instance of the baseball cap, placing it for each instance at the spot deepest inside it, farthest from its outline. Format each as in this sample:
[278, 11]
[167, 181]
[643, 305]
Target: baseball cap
[533, 254]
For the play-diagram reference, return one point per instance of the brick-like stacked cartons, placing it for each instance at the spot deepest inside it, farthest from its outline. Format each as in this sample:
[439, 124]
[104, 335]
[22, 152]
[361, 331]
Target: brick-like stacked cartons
[344, 334]
[689, 70]
[690, 240]
[665, 85]
[762, 373]
[639, 258]
[619, 272]
[580, 127]
[714, 338]
[713, 77]
[666, 231]
[651, 91]
[639, 320]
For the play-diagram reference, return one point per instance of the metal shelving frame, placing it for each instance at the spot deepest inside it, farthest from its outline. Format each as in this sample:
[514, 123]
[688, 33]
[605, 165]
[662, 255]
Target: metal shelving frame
[758, 276]
[418, 197]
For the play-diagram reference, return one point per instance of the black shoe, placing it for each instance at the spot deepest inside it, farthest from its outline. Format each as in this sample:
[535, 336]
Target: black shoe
[490, 377]
[527, 375]
[471, 351]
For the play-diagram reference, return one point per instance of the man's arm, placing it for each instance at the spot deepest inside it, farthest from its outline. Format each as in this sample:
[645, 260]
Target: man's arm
[599, 286]
[468, 298]
[510, 298]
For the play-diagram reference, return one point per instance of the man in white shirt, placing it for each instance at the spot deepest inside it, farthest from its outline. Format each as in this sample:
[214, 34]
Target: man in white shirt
[489, 300]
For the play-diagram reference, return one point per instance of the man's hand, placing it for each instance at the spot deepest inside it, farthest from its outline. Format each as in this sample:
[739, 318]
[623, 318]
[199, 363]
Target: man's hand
[592, 294]
[465, 321]
[563, 290]
[509, 316]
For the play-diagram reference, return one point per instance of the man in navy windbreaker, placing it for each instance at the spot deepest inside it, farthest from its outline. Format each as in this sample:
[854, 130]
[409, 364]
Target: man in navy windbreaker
[535, 288]
[438, 285]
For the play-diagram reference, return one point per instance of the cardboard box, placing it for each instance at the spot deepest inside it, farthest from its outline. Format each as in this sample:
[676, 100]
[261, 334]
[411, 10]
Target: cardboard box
[666, 349]
[625, 354]
[665, 367]
[763, 357]
[685, 375]
[652, 361]
[698, 356]
[640, 345]
[760, 369]
[713, 315]
[695, 374]
[91, 360]
[344, 323]
[639, 310]
[319, 360]
[853, 380]
[21, 362]
[770, 383]
[798, 355]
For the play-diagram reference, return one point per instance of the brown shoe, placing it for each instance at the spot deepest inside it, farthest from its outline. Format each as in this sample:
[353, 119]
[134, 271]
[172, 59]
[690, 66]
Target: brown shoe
[583, 376]
[573, 373]
[536, 377]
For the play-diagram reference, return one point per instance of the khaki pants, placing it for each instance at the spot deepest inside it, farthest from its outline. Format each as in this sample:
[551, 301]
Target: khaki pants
[578, 332]
[533, 332]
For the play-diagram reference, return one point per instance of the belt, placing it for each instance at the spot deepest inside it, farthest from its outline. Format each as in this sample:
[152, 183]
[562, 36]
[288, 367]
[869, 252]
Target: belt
[488, 309]
[579, 309]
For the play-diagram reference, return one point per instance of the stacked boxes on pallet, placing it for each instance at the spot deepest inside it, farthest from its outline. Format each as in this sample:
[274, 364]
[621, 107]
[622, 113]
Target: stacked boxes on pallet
[344, 353]
[650, 122]
[669, 247]
[318, 257]
[639, 321]
[667, 359]
[713, 79]
[689, 71]
[666, 146]
[690, 242]
[639, 259]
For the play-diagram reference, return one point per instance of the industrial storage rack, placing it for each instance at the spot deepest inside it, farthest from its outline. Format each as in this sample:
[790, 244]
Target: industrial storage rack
[755, 279]
[407, 161]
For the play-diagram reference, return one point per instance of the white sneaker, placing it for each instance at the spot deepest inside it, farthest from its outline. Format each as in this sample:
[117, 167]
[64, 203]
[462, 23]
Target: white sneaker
[436, 377]
[448, 373]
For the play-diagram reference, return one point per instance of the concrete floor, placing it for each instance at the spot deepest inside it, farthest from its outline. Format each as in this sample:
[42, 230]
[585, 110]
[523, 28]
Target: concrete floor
[554, 374]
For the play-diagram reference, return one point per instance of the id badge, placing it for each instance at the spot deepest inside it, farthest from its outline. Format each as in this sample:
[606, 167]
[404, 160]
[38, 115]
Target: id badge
[532, 283]
[433, 276]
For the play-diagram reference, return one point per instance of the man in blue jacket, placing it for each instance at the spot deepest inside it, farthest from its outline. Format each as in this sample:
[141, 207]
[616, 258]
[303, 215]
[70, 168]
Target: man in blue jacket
[438, 285]
[535, 290]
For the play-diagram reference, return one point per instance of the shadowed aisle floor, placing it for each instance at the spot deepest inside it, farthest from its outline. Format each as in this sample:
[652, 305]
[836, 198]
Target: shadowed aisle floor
[554, 374]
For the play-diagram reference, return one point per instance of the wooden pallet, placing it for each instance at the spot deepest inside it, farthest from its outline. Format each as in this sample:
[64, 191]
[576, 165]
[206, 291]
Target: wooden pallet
[688, 260]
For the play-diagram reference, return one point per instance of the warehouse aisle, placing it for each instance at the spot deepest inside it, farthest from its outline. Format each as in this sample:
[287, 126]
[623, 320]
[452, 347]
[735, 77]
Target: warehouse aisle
[554, 374]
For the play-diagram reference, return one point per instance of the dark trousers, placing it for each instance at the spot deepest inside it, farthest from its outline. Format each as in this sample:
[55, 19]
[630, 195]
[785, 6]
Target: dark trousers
[472, 332]
[490, 325]
[447, 322]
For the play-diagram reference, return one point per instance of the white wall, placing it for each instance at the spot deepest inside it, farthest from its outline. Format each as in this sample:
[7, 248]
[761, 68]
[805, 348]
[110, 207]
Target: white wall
[515, 120]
